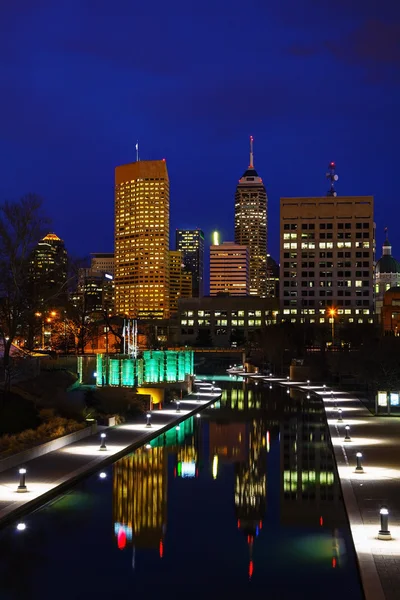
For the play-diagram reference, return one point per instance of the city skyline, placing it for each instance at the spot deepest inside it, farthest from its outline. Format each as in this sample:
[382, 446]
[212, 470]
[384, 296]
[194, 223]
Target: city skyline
[76, 129]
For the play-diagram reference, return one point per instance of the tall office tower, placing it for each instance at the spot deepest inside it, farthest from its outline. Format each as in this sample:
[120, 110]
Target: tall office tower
[103, 262]
[229, 269]
[180, 280]
[191, 243]
[48, 272]
[327, 259]
[387, 274]
[251, 225]
[142, 239]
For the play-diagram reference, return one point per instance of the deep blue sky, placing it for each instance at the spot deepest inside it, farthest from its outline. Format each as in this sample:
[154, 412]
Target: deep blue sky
[312, 81]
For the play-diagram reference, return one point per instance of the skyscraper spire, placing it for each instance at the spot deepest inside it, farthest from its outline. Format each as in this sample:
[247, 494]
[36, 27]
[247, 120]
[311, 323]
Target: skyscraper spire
[251, 165]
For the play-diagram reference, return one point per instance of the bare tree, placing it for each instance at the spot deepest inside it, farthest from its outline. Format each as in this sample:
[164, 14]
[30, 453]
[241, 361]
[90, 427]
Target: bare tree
[21, 226]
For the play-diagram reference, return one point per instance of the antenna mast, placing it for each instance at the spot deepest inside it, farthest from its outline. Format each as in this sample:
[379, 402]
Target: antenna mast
[332, 178]
[137, 151]
[251, 165]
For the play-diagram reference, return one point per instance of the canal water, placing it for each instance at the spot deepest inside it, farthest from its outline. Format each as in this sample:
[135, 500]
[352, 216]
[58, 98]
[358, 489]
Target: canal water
[241, 502]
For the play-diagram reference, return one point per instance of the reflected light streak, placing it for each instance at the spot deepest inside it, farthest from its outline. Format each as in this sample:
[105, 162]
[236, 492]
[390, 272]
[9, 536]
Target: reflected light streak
[349, 421]
[366, 541]
[331, 409]
[356, 441]
[8, 491]
[93, 450]
[369, 474]
[215, 467]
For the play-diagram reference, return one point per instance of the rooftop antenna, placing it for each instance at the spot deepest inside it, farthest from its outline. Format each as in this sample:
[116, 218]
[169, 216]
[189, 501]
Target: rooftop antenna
[137, 151]
[251, 165]
[332, 177]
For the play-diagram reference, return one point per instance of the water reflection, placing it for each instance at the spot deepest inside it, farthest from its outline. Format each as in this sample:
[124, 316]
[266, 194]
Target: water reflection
[242, 495]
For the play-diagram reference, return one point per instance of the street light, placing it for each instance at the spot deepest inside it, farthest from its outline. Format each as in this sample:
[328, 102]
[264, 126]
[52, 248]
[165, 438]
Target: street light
[332, 312]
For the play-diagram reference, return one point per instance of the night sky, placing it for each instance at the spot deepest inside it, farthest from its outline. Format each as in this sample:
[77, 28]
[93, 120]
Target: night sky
[311, 80]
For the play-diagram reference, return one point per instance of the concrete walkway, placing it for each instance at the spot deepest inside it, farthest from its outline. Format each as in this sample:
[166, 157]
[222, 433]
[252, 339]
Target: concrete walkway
[50, 474]
[378, 439]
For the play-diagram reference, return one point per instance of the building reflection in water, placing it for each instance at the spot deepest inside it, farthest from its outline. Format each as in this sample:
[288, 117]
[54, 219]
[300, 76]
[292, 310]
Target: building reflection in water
[310, 492]
[243, 442]
[140, 485]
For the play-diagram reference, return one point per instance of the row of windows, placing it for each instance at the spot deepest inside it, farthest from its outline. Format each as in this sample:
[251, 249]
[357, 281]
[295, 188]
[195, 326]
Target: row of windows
[324, 245]
[340, 254]
[311, 226]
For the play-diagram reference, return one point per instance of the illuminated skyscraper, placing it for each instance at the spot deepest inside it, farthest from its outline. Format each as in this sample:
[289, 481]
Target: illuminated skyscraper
[48, 270]
[229, 269]
[180, 280]
[251, 225]
[142, 239]
[191, 243]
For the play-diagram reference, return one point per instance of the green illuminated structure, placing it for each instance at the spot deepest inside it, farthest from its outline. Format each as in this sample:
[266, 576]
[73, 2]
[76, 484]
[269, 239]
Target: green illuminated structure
[156, 366]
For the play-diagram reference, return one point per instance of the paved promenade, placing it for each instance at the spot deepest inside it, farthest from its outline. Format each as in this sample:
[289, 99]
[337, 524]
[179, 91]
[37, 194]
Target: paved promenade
[378, 439]
[49, 474]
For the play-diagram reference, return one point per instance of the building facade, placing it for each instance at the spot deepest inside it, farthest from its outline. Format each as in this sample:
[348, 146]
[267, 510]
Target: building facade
[387, 275]
[48, 272]
[327, 259]
[272, 277]
[251, 225]
[191, 243]
[95, 293]
[142, 239]
[103, 261]
[180, 280]
[229, 269]
[224, 321]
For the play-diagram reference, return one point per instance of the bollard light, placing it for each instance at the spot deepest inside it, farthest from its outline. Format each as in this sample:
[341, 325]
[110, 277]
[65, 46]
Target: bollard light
[359, 467]
[198, 415]
[288, 377]
[340, 417]
[148, 447]
[22, 482]
[21, 527]
[308, 382]
[178, 406]
[103, 441]
[347, 437]
[102, 475]
[270, 387]
[288, 391]
[335, 404]
[308, 396]
[148, 419]
[324, 387]
[177, 428]
[384, 533]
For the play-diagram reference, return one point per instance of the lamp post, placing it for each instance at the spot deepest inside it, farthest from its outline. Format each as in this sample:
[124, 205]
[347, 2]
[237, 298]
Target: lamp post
[103, 441]
[22, 483]
[332, 314]
[384, 533]
[347, 437]
[359, 467]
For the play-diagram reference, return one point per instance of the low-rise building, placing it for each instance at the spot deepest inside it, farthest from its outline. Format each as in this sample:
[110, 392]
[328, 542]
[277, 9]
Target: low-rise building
[224, 320]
